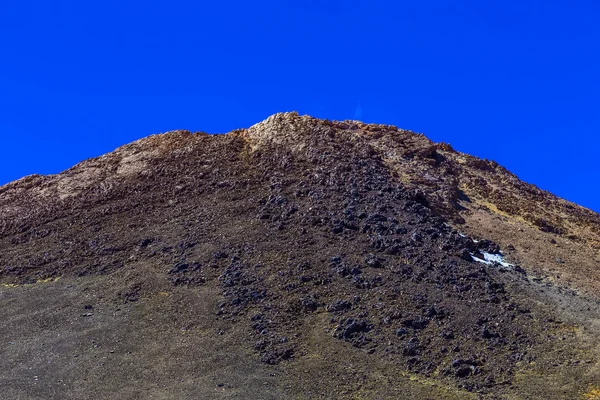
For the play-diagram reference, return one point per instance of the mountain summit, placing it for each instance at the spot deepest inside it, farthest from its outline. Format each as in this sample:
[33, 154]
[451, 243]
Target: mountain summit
[298, 258]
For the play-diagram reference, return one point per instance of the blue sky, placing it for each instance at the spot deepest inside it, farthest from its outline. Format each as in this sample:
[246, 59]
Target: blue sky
[514, 81]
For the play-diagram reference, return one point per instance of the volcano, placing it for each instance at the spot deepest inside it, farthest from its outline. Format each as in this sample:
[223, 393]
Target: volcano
[298, 258]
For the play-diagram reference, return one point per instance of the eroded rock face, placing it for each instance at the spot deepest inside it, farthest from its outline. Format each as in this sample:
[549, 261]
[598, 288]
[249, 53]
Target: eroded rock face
[318, 235]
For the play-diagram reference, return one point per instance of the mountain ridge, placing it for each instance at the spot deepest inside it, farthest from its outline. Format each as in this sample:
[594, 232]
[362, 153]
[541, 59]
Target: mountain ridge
[440, 172]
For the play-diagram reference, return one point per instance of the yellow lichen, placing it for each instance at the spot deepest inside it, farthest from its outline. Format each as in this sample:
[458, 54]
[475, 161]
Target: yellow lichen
[15, 285]
[592, 394]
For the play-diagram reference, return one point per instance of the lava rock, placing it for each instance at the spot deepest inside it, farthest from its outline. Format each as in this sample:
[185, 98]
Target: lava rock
[402, 332]
[339, 305]
[487, 334]
[416, 323]
[309, 304]
[352, 327]
[373, 261]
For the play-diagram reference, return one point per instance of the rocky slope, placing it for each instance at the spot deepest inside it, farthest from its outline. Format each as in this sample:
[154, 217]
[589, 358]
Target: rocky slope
[299, 258]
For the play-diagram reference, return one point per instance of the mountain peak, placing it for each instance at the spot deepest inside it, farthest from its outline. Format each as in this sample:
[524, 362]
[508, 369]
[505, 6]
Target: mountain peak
[289, 127]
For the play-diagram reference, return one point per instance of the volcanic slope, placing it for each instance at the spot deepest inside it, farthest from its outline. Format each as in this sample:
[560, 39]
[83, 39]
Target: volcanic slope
[299, 258]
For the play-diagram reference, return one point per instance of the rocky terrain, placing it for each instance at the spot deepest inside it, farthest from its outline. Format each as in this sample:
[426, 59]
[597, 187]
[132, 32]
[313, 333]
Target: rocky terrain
[298, 258]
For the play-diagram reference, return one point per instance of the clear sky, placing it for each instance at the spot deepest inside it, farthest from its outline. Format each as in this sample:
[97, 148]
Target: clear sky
[513, 81]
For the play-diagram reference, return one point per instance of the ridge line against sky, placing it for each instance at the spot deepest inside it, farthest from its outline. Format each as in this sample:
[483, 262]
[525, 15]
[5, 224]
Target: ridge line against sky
[515, 82]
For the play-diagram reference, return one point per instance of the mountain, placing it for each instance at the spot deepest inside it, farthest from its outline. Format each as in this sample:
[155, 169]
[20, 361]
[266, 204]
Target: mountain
[298, 258]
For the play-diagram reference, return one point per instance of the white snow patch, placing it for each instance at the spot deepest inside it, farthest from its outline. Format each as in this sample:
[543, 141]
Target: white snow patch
[463, 235]
[491, 259]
